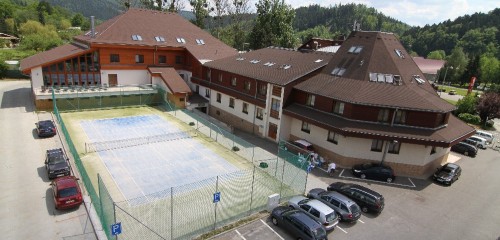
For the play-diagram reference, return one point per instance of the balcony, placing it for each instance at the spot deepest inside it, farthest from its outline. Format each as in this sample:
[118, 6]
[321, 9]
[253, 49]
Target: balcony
[93, 91]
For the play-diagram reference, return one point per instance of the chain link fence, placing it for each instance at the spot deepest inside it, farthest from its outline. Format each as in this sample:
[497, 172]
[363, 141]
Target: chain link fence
[187, 211]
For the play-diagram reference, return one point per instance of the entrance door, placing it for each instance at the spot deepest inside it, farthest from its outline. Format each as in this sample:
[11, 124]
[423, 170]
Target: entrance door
[113, 79]
[273, 130]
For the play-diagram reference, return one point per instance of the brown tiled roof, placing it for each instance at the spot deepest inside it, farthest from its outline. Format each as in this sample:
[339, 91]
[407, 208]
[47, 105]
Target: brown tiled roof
[455, 131]
[150, 24]
[171, 78]
[61, 52]
[301, 64]
[430, 66]
[378, 55]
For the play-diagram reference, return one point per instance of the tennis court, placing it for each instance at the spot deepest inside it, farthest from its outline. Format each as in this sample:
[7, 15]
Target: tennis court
[146, 154]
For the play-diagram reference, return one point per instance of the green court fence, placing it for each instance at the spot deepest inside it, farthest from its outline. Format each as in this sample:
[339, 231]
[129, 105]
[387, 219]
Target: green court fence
[187, 211]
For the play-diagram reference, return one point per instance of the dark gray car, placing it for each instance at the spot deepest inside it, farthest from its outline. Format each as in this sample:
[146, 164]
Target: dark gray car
[56, 163]
[298, 223]
[347, 209]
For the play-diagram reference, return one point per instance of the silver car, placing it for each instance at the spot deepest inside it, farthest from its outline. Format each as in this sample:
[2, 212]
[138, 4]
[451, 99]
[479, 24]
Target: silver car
[317, 210]
[346, 208]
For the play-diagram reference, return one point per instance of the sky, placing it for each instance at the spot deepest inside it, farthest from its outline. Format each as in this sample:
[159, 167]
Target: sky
[414, 12]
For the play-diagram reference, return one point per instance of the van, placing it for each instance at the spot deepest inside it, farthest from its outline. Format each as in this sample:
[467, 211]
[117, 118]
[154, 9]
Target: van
[486, 135]
[480, 142]
[315, 209]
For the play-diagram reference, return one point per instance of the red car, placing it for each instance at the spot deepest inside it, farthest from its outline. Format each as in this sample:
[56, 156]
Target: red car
[67, 193]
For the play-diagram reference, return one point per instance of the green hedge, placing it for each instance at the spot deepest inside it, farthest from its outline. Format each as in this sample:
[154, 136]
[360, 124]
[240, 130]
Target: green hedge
[469, 118]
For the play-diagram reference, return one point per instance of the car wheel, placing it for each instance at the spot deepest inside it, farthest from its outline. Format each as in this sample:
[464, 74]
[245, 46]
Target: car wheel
[364, 209]
[340, 217]
[481, 146]
[363, 176]
[389, 180]
[275, 221]
[466, 153]
[299, 238]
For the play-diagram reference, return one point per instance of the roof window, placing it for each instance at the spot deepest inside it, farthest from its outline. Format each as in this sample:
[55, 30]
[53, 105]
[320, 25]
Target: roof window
[418, 79]
[269, 64]
[355, 49]
[200, 42]
[136, 37]
[399, 53]
[318, 60]
[338, 71]
[240, 58]
[286, 66]
[254, 61]
[181, 40]
[159, 39]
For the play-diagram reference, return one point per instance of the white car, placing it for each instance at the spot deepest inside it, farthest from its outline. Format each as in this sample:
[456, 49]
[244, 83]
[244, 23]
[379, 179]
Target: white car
[486, 135]
[317, 210]
[480, 142]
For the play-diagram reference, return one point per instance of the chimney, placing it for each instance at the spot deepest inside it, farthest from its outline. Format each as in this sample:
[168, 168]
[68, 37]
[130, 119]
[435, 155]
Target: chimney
[92, 27]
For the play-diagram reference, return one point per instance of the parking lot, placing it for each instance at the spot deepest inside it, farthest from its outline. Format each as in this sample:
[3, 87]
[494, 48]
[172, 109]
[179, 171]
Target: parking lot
[414, 208]
[27, 206]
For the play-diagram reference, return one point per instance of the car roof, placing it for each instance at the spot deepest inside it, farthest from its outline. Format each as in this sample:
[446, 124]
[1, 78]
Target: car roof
[303, 142]
[452, 165]
[306, 219]
[66, 182]
[339, 196]
[365, 189]
[318, 205]
[466, 144]
[477, 138]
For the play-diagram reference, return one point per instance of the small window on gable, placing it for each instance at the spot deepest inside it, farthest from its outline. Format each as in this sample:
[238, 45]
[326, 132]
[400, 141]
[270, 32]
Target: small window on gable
[373, 77]
[136, 37]
[388, 78]
[160, 39]
[380, 77]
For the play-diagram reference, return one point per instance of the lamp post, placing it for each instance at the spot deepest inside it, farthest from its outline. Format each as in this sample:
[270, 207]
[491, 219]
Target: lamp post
[387, 149]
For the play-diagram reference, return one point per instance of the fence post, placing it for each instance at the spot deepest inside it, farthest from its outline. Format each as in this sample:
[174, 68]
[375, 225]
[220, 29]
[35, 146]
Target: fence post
[171, 212]
[100, 198]
[282, 176]
[114, 213]
[215, 210]
[251, 193]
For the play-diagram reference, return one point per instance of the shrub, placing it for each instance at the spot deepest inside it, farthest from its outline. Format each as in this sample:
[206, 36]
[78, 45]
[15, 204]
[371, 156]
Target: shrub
[469, 118]
[235, 148]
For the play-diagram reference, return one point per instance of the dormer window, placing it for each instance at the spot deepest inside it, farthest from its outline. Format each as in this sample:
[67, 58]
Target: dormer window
[160, 39]
[136, 37]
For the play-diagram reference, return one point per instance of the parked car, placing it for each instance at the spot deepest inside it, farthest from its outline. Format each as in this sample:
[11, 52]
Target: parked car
[367, 199]
[66, 192]
[480, 142]
[317, 210]
[56, 163]
[303, 144]
[465, 149]
[373, 171]
[298, 223]
[346, 208]
[447, 174]
[486, 135]
[452, 92]
[46, 128]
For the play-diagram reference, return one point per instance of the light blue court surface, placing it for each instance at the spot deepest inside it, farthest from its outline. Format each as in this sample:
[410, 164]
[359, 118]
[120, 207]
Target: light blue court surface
[145, 170]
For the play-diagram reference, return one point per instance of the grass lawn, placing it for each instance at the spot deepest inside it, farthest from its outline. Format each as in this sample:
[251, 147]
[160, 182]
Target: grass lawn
[460, 91]
[451, 101]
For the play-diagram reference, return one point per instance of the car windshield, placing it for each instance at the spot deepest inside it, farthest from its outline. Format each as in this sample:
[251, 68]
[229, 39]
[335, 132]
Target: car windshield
[354, 208]
[303, 201]
[447, 170]
[56, 160]
[319, 233]
[46, 124]
[367, 165]
[330, 217]
[68, 192]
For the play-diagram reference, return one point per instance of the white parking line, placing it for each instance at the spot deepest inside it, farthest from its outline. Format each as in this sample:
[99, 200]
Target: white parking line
[359, 220]
[412, 182]
[341, 229]
[239, 234]
[397, 184]
[272, 230]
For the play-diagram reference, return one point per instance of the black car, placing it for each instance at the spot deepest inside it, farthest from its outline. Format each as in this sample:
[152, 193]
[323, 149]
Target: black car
[56, 163]
[46, 128]
[367, 199]
[447, 174]
[465, 149]
[374, 171]
[298, 223]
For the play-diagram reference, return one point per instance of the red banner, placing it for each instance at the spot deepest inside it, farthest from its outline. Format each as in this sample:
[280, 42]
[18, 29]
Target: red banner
[471, 85]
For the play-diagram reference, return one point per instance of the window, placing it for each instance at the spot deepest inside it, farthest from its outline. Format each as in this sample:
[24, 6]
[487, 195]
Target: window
[209, 74]
[181, 40]
[179, 60]
[339, 108]
[260, 113]
[114, 58]
[377, 145]
[160, 39]
[355, 49]
[315, 212]
[433, 150]
[231, 102]
[162, 59]
[275, 104]
[310, 100]
[263, 89]
[394, 147]
[383, 115]
[245, 108]
[200, 42]
[338, 71]
[136, 37]
[333, 137]
[218, 98]
[400, 117]
[139, 58]
[220, 77]
[305, 127]
[233, 81]
[207, 92]
[247, 86]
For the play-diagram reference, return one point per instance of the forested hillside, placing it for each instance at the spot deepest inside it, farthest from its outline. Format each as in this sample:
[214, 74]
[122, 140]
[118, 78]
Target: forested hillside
[101, 9]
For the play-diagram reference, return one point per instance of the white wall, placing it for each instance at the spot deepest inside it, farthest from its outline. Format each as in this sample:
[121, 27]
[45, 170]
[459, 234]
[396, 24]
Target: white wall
[37, 77]
[361, 148]
[127, 77]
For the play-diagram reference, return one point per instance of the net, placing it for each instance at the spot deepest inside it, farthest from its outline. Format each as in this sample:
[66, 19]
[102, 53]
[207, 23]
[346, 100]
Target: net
[91, 147]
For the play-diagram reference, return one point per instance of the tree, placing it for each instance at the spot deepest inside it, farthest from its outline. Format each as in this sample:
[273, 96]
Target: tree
[456, 62]
[77, 20]
[489, 106]
[466, 105]
[489, 69]
[273, 26]
[437, 54]
[237, 9]
[200, 10]
[38, 37]
[3, 68]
